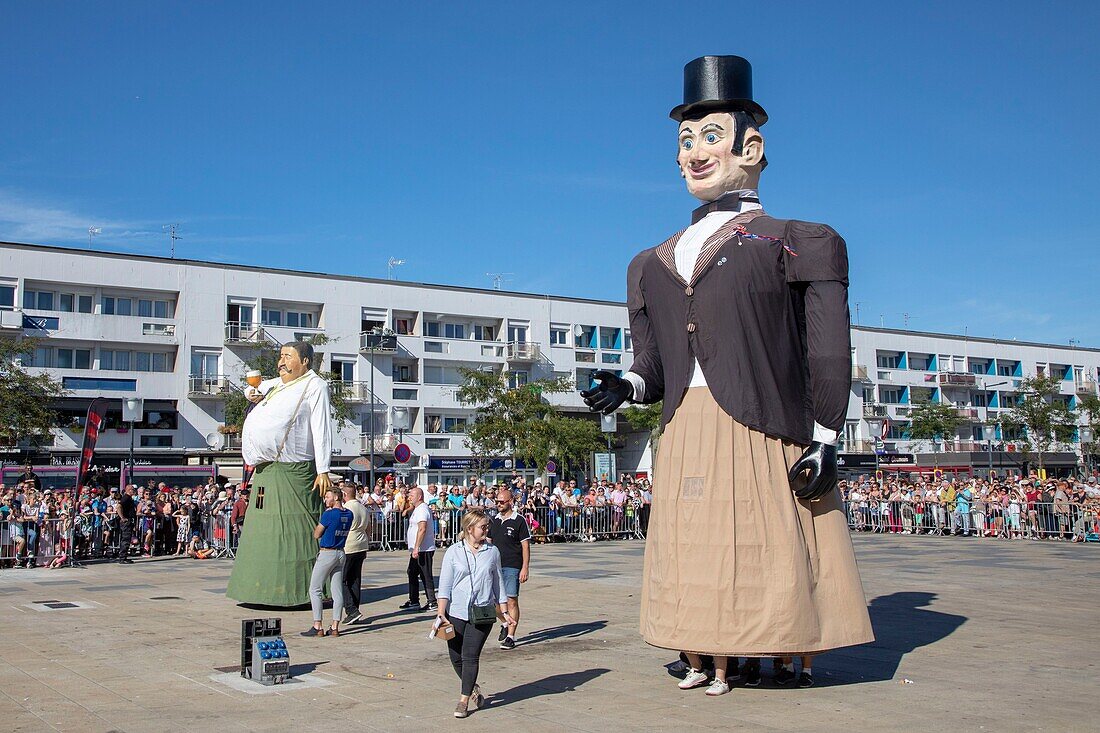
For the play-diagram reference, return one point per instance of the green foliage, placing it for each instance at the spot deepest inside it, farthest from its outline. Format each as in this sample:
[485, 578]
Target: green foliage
[646, 417]
[26, 400]
[519, 422]
[931, 420]
[1044, 419]
[1089, 407]
[265, 359]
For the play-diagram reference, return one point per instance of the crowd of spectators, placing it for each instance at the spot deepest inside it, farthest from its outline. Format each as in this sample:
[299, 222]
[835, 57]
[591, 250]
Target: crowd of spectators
[43, 527]
[1057, 509]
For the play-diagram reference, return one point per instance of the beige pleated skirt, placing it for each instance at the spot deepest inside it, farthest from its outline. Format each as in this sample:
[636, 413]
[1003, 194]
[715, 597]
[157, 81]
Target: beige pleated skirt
[735, 565]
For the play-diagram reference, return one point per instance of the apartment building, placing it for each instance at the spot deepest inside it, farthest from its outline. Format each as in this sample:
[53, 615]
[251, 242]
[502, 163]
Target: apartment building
[177, 333]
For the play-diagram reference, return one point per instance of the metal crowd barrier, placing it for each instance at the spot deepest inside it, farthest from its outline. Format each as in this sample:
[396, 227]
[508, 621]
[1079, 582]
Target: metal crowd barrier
[1016, 520]
[34, 542]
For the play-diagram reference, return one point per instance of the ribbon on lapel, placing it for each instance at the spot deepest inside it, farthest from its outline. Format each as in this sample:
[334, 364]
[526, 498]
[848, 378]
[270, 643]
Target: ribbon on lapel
[666, 252]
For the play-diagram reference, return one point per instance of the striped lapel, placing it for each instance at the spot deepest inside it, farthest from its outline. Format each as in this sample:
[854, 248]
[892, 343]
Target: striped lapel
[713, 245]
[666, 253]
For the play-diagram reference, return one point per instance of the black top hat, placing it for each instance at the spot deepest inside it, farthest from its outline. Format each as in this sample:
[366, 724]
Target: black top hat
[718, 84]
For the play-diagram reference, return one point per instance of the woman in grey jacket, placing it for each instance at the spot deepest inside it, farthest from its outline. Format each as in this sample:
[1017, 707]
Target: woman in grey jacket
[471, 575]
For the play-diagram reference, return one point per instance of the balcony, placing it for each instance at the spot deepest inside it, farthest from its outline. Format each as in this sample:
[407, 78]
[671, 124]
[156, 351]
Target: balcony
[964, 446]
[586, 357]
[859, 446]
[860, 374]
[379, 343]
[252, 334]
[1085, 388]
[873, 410]
[957, 379]
[351, 391]
[383, 443]
[969, 414]
[522, 351]
[208, 387]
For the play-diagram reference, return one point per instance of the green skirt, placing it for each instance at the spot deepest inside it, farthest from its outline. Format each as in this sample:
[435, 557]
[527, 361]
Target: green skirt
[277, 550]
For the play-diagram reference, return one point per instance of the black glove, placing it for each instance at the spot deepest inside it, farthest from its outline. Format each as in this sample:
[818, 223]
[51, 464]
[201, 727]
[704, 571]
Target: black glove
[820, 460]
[611, 392]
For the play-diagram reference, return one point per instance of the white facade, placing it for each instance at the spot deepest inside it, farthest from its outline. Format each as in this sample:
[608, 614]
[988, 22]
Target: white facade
[175, 332]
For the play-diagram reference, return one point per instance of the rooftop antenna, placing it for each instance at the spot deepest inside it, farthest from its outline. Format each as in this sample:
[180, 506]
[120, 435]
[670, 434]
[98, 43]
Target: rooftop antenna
[394, 262]
[881, 320]
[857, 312]
[498, 278]
[905, 319]
[173, 235]
[92, 231]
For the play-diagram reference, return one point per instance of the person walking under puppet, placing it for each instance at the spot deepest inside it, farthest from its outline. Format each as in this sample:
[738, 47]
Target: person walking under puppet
[740, 324]
[288, 438]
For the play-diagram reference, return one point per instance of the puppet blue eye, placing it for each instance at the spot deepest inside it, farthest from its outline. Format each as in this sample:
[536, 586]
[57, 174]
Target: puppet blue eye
[687, 144]
[711, 137]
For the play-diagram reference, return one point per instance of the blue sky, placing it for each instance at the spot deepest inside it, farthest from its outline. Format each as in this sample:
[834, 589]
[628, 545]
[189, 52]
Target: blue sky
[951, 143]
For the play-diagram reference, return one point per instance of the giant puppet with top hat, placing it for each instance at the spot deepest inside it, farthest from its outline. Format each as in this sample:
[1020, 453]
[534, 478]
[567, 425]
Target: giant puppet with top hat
[740, 325]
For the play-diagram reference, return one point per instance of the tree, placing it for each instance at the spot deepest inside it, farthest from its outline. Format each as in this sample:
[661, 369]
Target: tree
[27, 401]
[931, 420]
[1044, 419]
[1089, 406]
[646, 417]
[520, 422]
[265, 359]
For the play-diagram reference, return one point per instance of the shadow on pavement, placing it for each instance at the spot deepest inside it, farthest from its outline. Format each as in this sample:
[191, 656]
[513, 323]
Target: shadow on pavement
[565, 631]
[553, 685]
[902, 624]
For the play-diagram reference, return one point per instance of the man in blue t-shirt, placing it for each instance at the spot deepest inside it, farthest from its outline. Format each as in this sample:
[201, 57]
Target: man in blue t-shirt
[331, 533]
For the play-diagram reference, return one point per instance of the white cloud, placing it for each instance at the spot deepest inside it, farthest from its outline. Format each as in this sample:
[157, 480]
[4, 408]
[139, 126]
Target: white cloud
[23, 219]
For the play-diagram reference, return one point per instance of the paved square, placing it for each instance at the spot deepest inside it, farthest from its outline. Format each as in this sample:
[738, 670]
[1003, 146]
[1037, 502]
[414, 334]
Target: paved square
[993, 635]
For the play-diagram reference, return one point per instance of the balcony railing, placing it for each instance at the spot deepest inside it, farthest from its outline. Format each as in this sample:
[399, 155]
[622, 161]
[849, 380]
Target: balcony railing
[379, 343]
[860, 374]
[1086, 387]
[957, 379]
[873, 410]
[967, 413]
[158, 329]
[523, 351]
[352, 391]
[383, 443]
[237, 332]
[208, 386]
[859, 446]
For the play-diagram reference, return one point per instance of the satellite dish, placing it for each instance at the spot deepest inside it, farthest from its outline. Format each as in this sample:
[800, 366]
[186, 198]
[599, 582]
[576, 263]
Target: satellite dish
[213, 441]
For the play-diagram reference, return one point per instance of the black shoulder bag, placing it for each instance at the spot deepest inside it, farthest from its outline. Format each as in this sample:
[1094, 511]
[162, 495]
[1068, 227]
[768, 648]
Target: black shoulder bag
[485, 614]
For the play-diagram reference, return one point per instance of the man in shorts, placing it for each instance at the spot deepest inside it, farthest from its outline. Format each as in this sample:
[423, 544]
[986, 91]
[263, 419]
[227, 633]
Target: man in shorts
[512, 538]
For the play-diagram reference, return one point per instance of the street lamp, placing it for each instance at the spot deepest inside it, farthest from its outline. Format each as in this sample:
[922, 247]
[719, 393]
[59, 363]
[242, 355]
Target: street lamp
[988, 432]
[874, 425]
[1086, 449]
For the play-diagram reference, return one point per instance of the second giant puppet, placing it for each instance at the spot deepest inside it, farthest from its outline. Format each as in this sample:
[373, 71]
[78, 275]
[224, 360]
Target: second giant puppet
[740, 324]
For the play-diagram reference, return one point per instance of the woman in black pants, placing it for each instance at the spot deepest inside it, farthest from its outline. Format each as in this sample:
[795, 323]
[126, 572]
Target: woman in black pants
[470, 578]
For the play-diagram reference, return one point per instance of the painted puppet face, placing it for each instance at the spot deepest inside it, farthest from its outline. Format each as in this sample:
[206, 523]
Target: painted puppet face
[707, 161]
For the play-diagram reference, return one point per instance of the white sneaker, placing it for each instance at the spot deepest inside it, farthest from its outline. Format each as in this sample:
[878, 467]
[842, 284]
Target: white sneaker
[718, 687]
[694, 678]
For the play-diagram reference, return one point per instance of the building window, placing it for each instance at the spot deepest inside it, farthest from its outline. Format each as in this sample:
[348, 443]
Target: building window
[107, 305]
[454, 330]
[887, 360]
[83, 304]
[38, 300]
[558, 336]
[271, 318]
[145, 308]
[979, 399]
[65, 302]
[124, 307]
[484, 333]
[517, 379]
[454, 424]
[612, 358]
[890, 396]
[156, 441]
[437, 443]
[628, 343]
[517, 334]
[609, 338]
[343, 370]
[7, 297]
[403, 326]
[431, 328]
[404, 394]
